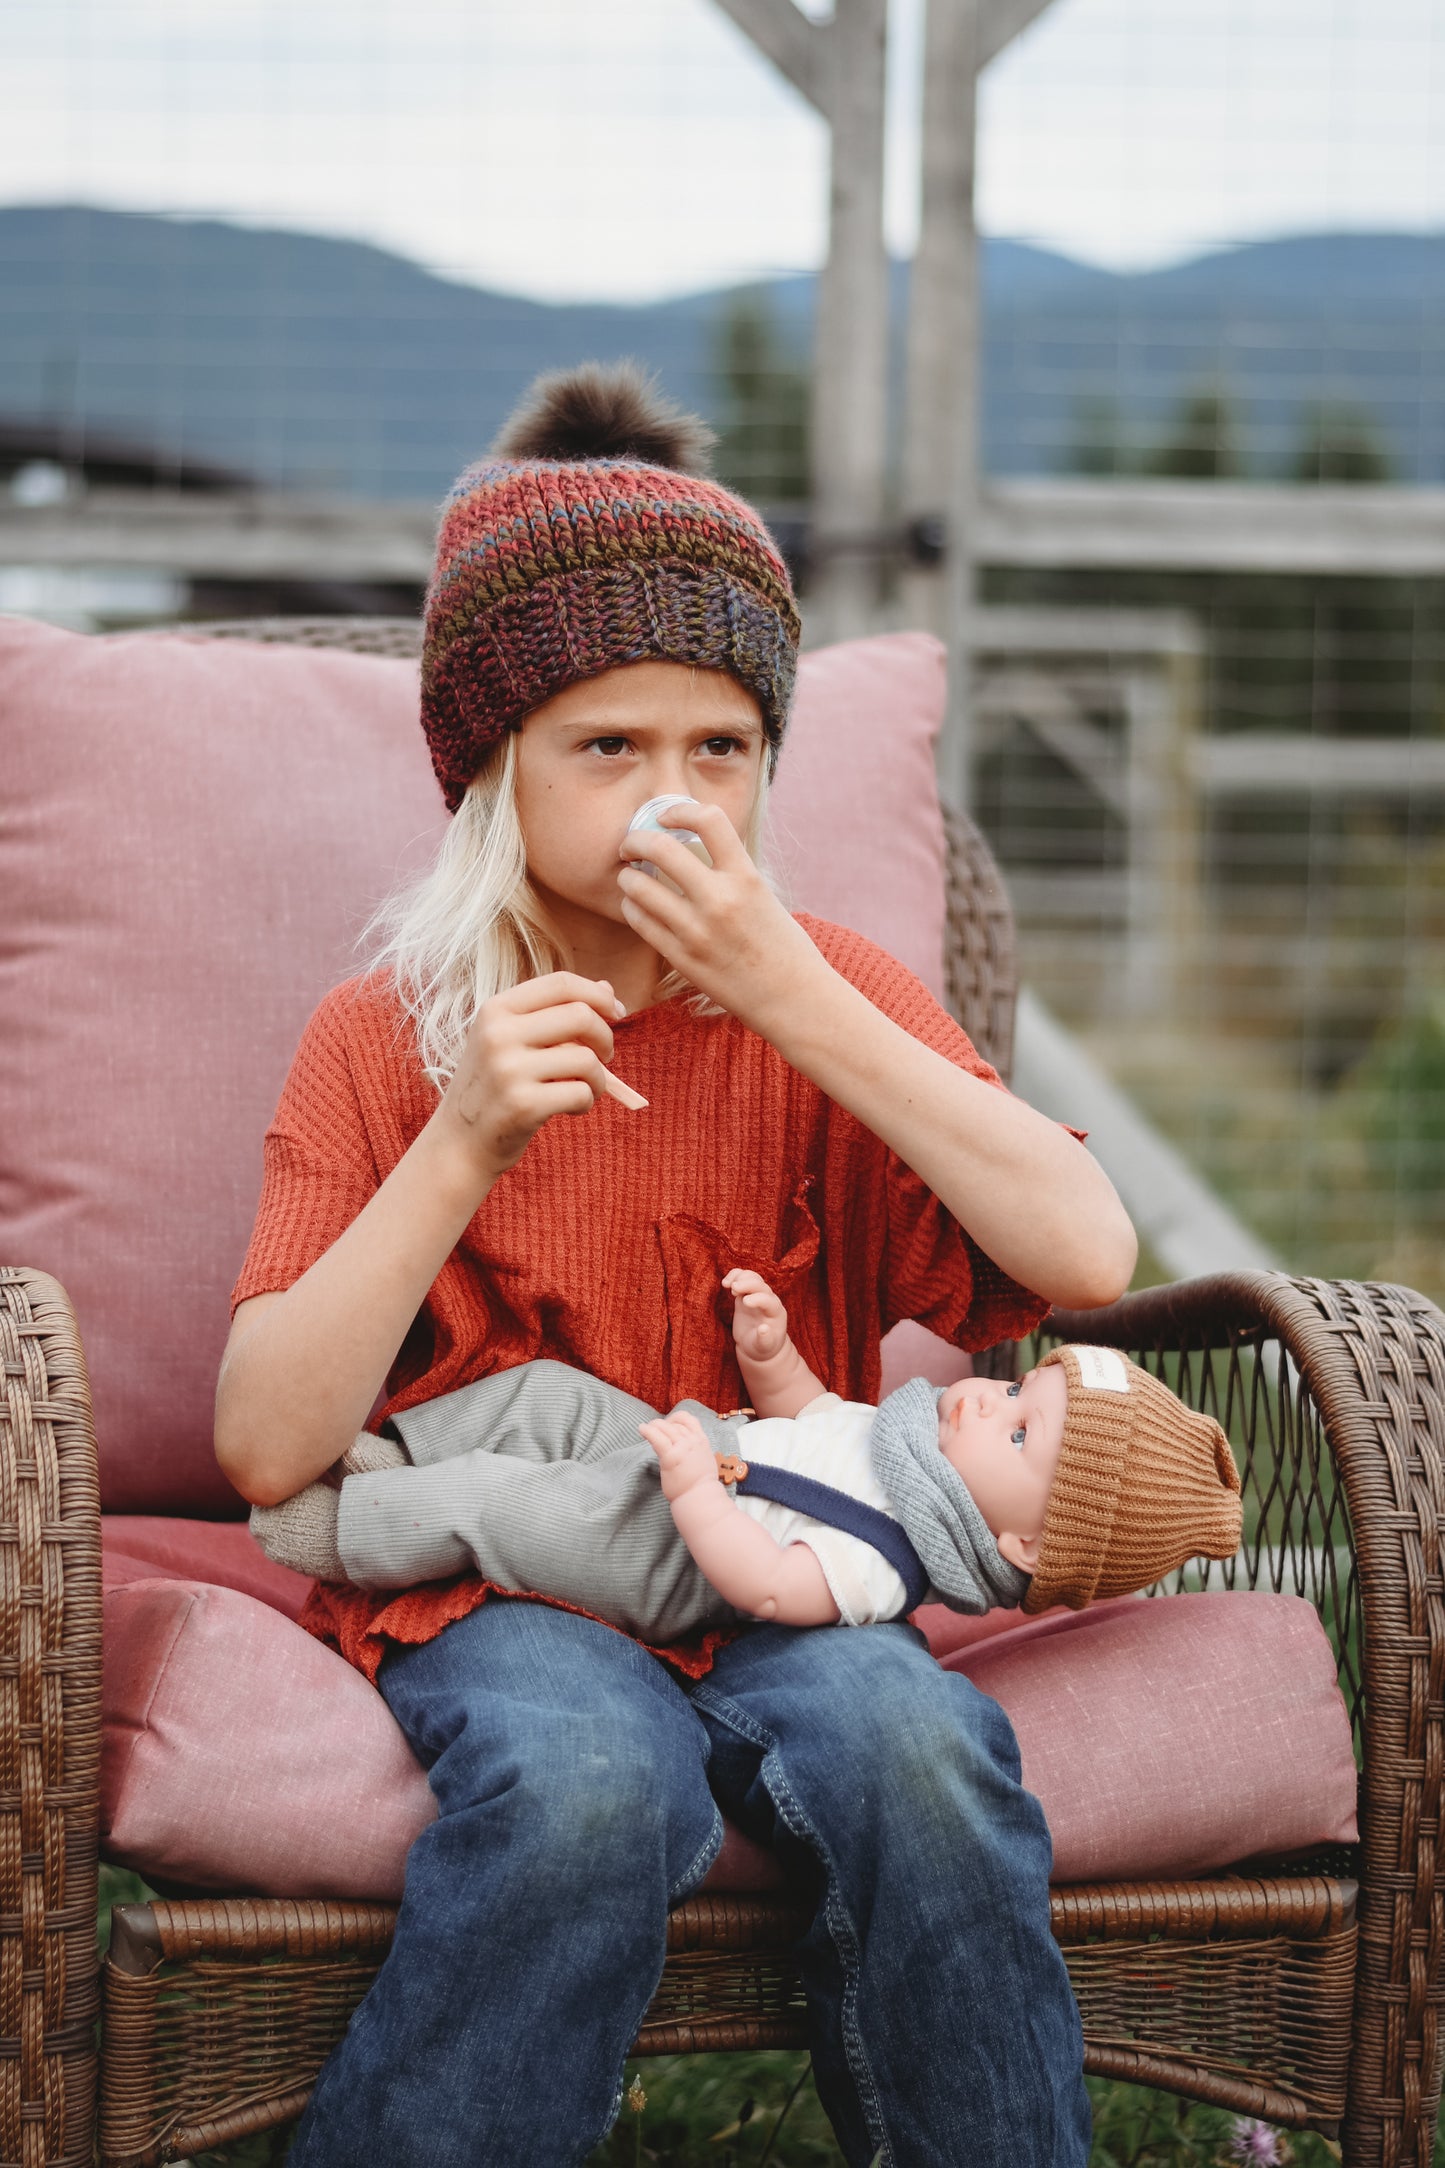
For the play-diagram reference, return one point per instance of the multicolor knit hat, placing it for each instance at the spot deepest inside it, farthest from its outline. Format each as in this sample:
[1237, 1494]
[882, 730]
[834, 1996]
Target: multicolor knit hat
[589, 537]
[1143, 1483]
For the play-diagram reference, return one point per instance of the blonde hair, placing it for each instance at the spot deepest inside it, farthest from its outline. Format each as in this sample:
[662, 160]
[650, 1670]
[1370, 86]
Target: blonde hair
[472, 926]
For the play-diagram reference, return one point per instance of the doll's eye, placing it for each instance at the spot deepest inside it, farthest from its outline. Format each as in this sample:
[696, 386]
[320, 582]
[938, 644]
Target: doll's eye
[1015, 1390]
[1018, 1439]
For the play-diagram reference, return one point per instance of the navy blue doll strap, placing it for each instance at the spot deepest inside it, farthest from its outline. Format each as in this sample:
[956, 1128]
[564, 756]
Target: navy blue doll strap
[836, 1509]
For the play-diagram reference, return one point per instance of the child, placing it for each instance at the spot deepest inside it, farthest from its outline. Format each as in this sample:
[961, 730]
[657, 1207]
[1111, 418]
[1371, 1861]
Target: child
[606, 625]
[827, 1510]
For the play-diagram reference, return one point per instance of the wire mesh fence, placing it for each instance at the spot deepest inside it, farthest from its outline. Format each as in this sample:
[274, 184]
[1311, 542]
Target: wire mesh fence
[317, 250]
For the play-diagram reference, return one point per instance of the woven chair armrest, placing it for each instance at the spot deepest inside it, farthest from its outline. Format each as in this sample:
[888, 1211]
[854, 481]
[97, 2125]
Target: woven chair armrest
[50, 1636]
[1371, 1358]
[980, 962]
[144, 1936]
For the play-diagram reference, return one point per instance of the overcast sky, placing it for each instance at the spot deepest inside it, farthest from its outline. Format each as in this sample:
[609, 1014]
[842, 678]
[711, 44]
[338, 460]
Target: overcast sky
[636, 148]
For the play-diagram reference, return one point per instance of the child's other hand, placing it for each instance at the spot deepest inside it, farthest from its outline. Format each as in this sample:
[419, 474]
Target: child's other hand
[760, 1323]
[684, 1455]
[726, 931]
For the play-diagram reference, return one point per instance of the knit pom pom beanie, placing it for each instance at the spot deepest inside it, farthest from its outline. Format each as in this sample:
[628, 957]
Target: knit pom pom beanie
[589, 537]
[1143, 1484]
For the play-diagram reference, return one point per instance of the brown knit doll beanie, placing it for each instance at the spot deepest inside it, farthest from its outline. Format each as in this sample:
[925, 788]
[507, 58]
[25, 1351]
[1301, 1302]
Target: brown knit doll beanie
[1143, 1483]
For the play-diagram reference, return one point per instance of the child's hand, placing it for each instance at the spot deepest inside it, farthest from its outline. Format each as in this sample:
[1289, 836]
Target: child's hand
[683, 1453]
[532, 1052]
[760, 1323]
[726, 932]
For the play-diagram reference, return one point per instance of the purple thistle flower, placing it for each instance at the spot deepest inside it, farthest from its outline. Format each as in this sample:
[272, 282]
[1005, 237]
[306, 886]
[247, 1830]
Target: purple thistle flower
[1257, 2144]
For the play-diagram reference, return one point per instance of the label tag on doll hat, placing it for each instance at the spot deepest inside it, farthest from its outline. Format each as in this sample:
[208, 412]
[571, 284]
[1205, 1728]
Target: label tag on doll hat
[1102, 1369]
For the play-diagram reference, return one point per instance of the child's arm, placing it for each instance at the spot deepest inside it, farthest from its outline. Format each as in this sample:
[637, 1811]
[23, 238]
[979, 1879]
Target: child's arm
[749, 1568]
[777, 1378]
[1035, 1202]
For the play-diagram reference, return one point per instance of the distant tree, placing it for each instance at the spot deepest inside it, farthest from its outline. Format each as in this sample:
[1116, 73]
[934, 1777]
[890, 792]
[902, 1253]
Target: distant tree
[763, 439]
[1339, 442]
[1098, 444]
[1201, 443]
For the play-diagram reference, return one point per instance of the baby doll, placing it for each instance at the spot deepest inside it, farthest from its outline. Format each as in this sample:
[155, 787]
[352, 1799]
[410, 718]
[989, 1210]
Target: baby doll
[1088, 1478]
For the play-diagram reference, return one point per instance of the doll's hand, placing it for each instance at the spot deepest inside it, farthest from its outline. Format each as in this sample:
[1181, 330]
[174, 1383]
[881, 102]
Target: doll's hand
[726, 932]
[760, 1323]
[683, 1453]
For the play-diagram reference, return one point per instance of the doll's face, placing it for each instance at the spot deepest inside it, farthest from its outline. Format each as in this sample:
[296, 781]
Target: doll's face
[1004, 1440]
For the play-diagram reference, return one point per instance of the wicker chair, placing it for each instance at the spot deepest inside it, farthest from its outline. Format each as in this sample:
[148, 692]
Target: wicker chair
[1308, 1995]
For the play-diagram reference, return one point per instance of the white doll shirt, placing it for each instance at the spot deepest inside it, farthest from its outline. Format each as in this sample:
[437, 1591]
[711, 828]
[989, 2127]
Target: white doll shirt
[828, 1440]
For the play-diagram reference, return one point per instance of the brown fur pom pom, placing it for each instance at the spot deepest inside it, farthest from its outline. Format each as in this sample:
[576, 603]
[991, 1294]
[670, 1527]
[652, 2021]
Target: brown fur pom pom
[605, 411]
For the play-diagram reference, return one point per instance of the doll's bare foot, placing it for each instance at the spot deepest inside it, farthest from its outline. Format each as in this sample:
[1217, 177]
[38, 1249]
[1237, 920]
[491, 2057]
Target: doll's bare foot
[684, 1455]
[760, 1323]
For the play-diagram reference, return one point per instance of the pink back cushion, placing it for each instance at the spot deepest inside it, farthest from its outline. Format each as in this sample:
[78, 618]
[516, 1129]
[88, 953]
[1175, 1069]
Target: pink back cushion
[192, 834]
[1173, 1734]
[1167, 1736]
[854, 828]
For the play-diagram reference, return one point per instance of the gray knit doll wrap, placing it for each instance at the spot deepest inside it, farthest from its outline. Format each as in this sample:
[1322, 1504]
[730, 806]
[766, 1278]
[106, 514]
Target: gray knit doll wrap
[964, 1563]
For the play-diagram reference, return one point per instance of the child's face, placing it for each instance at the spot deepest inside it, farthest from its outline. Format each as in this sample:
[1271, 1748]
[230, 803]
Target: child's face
[588, 758]
[1004, 1440]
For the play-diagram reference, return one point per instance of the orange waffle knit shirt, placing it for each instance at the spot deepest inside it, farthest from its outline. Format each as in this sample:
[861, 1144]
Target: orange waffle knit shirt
[605, 1246]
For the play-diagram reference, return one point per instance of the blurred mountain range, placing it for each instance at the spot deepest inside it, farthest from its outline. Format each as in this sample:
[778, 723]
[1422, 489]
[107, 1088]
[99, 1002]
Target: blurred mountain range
[326, 364]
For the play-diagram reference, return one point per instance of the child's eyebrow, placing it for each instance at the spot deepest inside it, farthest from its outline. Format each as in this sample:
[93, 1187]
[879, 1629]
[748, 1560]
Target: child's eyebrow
[614, 726]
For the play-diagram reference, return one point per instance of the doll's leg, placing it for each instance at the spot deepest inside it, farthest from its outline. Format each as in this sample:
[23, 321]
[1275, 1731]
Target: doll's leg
[573, 1809]
[944, 2027]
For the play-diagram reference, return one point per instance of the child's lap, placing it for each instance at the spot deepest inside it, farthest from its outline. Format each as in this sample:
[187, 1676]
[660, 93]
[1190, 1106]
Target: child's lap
[531, 1678]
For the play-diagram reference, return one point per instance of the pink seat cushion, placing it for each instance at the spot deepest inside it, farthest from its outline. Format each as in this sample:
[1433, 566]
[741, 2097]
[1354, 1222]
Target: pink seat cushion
[238, 1753]
[192, 834]
[1163, 1737]
[144, 1547]
[1173, 1734]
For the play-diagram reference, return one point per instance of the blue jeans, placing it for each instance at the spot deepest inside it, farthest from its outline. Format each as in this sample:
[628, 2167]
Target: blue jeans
[578, 1787]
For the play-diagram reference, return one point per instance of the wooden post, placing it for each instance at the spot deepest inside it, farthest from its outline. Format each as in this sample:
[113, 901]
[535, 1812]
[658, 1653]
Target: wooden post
[850, 338]
[840, 66]
[940, 420]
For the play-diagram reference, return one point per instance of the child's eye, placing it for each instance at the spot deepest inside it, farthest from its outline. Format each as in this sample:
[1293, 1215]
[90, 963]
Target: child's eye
[610, 747]
[1018, 1438]
[720, 747]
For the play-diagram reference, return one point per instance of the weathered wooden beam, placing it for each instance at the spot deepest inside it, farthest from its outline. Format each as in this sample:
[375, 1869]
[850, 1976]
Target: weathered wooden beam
[1364, 533]
[791, 40]
[1001, 21]
[1279, 765]
[1189, 1228]
[1112, 636]
[213, 536]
